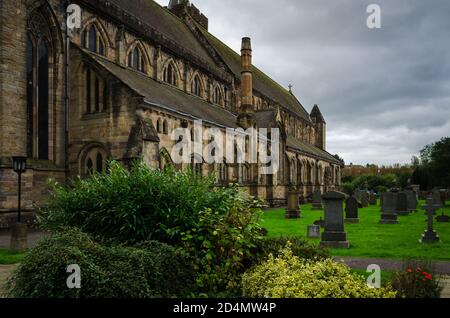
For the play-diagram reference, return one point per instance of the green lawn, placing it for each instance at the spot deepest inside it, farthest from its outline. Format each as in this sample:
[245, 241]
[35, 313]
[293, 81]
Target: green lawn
[7, 257]
[369, 238]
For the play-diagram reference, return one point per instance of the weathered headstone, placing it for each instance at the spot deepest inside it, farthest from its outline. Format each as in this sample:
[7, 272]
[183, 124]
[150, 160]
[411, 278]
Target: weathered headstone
[320, 222]
[334, 235]
[293, 209]
[402, 204]
[437, 197]
[317, 200]
[412, 202]
[443, 193]
[351, 210]
[430, 235]
[416, 189]
[313, 231]
[389, 208]
[365, 199]
[372, 198]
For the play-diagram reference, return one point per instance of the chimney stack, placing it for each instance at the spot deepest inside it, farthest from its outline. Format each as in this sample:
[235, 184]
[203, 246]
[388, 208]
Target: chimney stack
[246, 116]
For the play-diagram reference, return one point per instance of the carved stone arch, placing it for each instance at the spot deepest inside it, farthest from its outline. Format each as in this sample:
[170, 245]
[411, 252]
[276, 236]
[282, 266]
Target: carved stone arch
[144, 50]
[93, 151]
[171, 61]
[103, 32]
[51, 20]
[165, 159]
[196, 74]
[218, 87]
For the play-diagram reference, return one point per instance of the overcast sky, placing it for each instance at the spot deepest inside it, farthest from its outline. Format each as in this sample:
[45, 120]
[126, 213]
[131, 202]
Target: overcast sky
[385, 93]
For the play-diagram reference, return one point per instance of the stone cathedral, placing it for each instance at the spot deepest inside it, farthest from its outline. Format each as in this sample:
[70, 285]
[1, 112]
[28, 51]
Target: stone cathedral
[116, 88]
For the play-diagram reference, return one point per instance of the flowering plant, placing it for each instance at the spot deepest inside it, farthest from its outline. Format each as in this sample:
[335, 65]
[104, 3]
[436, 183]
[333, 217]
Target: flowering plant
[416, 282]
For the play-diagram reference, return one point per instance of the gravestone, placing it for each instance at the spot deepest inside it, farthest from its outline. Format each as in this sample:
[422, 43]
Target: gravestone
[334, 235]
[430, 235]
[365, 199]
[372, 198]
[411, 198]
[389, 208]
[317, 201]
[416, 189]
[443, 193]
[437, 197]
[320, 222]
[313, 231]
[402, 204]
[293, 209]
[351, 210]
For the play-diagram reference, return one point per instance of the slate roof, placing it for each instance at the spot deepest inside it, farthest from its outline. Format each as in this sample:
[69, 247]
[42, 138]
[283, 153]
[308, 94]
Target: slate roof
[167, 96]
[265, 119]
[166, 23]
[261, 82]
[175, 30]
[303, 147]
[316, 113]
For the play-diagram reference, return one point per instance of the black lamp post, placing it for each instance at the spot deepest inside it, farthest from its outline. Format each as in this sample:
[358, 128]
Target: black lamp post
[19, 166]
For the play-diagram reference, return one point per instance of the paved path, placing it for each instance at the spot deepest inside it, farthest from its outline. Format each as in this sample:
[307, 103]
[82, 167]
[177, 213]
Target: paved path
[440, 267]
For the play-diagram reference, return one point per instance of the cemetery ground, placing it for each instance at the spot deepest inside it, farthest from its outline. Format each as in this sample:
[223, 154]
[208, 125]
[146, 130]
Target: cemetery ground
[369, 238]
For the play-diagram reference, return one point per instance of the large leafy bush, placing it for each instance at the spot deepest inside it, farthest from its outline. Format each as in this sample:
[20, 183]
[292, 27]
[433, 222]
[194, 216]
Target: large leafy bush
[288, 276]
[137, 205]
[149, 270]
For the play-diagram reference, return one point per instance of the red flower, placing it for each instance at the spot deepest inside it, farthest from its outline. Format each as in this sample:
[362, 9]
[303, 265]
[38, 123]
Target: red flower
[409, 270]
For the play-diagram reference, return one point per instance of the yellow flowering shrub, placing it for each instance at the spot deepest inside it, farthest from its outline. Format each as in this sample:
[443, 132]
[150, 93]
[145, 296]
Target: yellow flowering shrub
[288, 276]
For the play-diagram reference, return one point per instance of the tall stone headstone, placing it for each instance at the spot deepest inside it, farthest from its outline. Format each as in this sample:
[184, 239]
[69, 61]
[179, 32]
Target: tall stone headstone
[416, 189]
[443, 193]
[372, 198]
[317, 201]
[412, 202]
[334, 235]
[437, 197]
[402, 204]
[365, 199]
[293, 209]
[389, 208]
[351, 210]
[430, 235]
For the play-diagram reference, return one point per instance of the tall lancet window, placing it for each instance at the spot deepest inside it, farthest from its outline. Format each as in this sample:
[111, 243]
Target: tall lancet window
[39, 65]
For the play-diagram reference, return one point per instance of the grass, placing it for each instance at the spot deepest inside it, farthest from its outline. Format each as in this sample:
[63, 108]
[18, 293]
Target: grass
[7, 257]
[369, 238]
[386, 276]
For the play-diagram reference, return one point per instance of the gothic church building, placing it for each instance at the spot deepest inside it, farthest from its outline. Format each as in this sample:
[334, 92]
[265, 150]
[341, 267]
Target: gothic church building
[117, 87]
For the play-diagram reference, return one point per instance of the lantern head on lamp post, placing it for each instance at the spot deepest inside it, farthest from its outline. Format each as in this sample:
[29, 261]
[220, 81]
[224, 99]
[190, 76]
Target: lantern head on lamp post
[19, 167]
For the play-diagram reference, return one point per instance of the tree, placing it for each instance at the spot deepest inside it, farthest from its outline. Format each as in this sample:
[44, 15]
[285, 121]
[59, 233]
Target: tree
[339, 158]
[434, 165]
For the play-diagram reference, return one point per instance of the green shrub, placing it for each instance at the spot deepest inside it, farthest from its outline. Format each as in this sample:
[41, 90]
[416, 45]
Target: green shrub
[150, 270]
[223, 244]
[288, 276]
[416, 281]
[137, 205]
[300, 247]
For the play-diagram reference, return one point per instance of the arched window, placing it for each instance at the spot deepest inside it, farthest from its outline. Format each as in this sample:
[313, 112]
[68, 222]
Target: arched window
[165, 127]
[94, 161]
[218, 97]
[196, 87]
[38, 70]
[97, 93]
[136, 59]
[169, 75]
[159, 126]
[91, 39]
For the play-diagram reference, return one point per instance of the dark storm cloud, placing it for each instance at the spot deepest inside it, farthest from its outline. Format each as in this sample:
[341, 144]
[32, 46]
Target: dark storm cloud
[384, 93]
